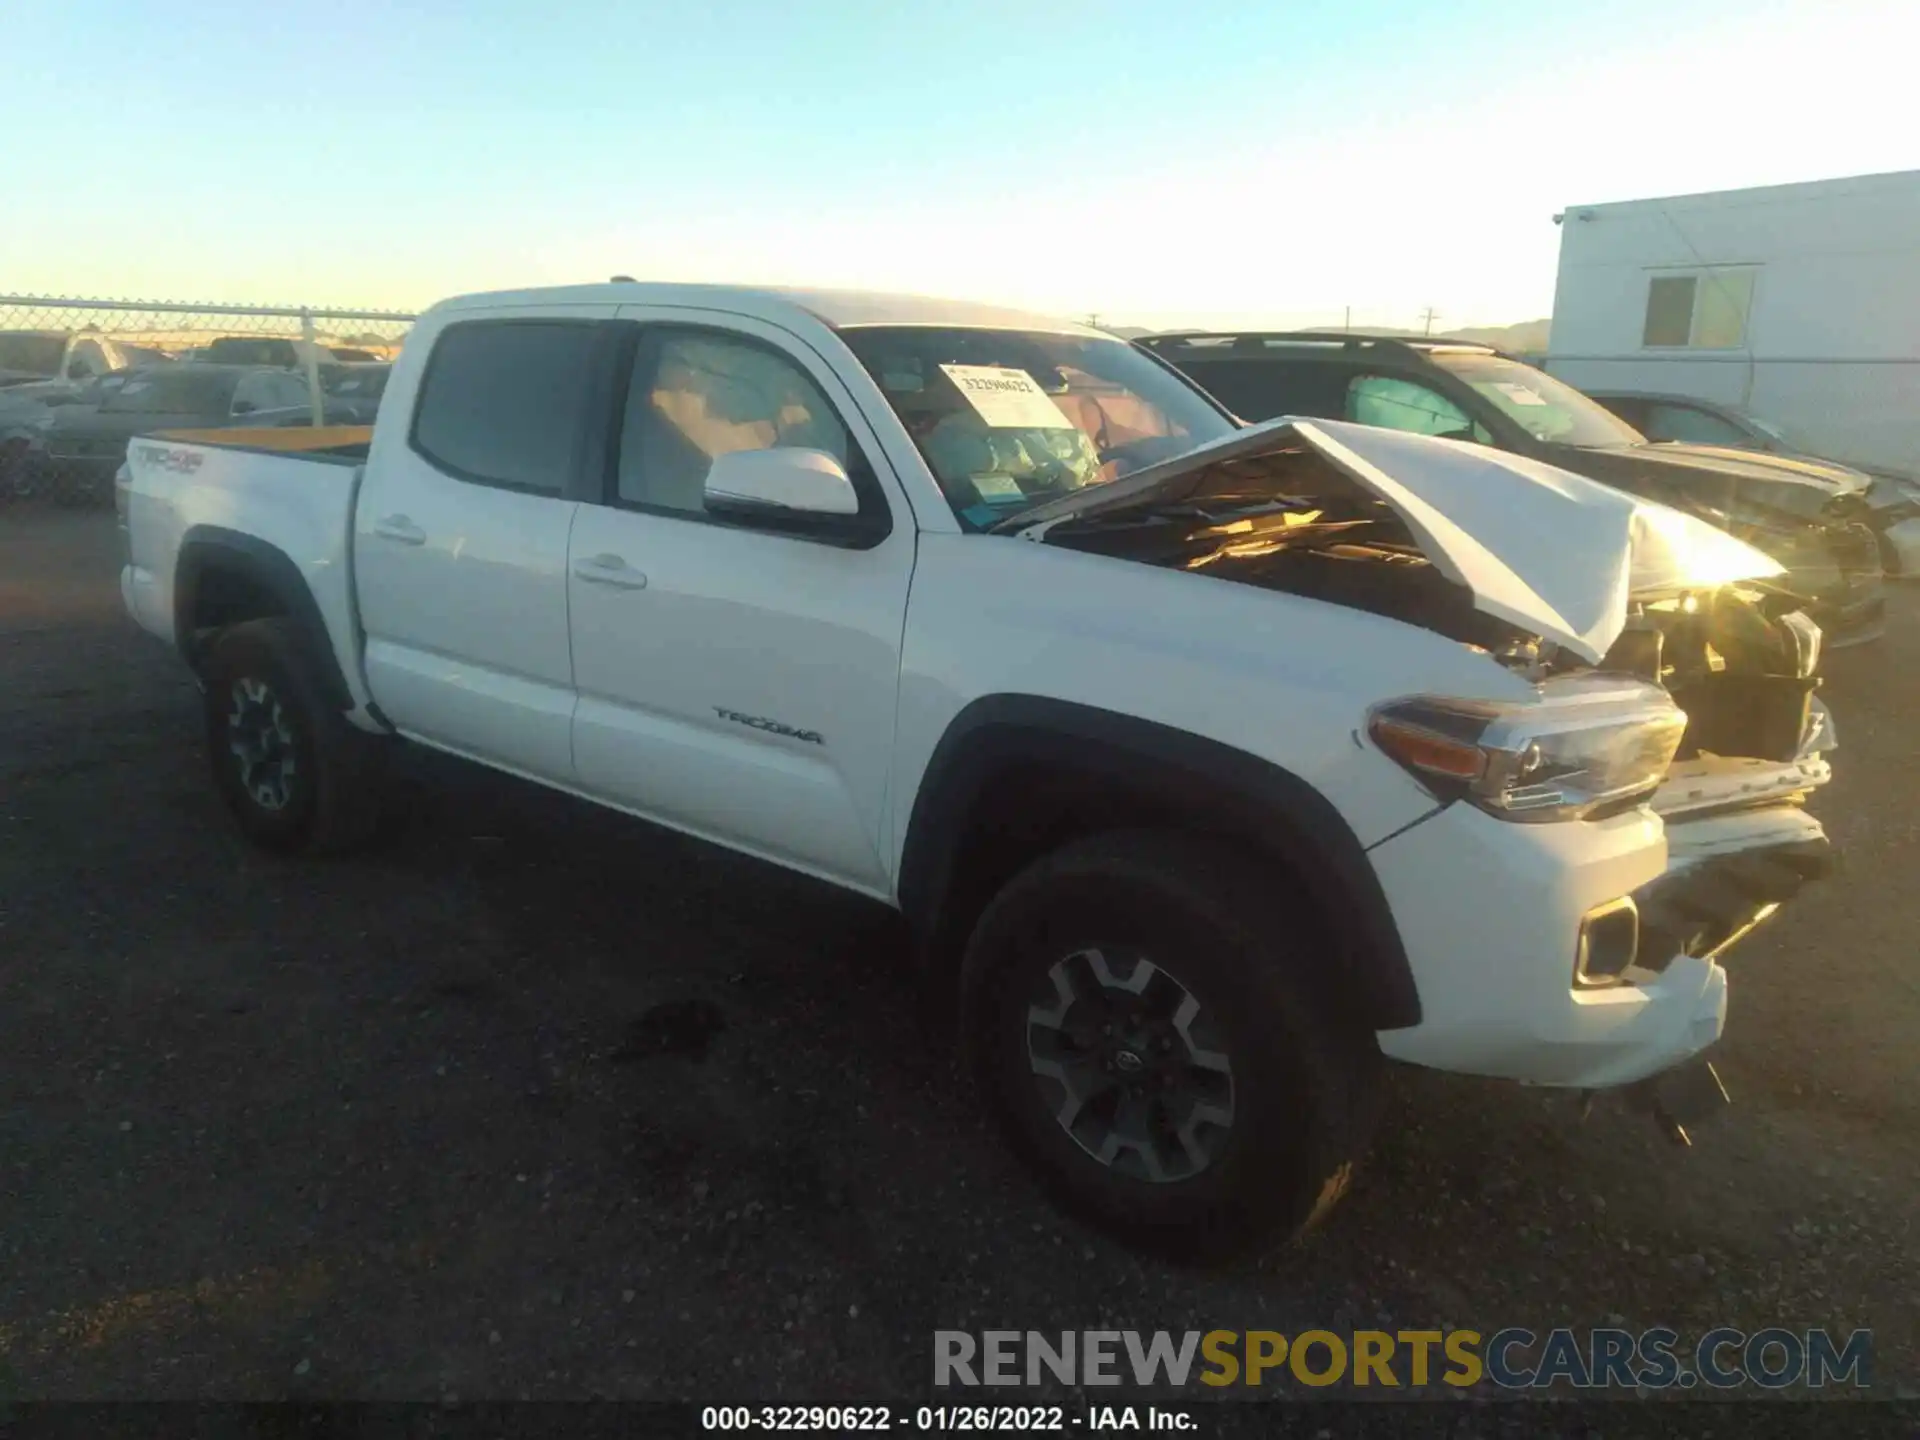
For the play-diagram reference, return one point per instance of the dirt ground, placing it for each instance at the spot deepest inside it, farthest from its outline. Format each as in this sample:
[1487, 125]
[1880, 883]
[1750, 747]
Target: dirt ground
[394, 1127]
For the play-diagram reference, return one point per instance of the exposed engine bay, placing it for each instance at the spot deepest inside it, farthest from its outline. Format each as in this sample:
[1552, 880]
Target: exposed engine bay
[1739, 659]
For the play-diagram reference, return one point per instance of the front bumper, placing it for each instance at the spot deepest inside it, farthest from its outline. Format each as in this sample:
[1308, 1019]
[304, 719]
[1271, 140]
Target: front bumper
[1490, 913]
[1725, 874]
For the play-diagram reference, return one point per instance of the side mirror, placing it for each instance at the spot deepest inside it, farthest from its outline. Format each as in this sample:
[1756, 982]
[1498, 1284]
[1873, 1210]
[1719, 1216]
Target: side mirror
[771, 484]
[243, 407]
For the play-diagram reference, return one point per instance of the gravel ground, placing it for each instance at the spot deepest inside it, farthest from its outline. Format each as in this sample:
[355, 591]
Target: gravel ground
[538, 1101]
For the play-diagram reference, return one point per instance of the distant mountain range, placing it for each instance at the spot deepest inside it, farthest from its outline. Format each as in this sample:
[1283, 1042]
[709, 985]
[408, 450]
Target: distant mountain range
[1529, 337]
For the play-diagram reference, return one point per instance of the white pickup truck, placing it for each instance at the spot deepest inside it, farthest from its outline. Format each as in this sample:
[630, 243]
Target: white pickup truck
[1210, 764]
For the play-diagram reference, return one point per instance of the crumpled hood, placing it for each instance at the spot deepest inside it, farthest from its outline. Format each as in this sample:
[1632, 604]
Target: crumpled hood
[1541, 548]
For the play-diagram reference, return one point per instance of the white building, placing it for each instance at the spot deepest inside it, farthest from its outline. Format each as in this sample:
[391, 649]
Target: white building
[1799, 303]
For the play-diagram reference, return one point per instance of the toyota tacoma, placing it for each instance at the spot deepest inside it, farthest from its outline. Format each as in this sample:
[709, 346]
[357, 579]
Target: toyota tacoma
[1212, 766]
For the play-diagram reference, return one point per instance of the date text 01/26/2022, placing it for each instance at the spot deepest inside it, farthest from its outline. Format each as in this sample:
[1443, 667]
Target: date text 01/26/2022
[997, 1419]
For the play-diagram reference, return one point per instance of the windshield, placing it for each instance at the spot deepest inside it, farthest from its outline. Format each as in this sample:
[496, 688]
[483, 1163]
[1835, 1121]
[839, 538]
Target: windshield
[1011, 418]
[1539, 404]
[35, 354]
[177, 393]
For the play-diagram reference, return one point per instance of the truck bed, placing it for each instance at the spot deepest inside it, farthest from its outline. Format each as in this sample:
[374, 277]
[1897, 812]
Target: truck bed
[281, 496]
[341, 442]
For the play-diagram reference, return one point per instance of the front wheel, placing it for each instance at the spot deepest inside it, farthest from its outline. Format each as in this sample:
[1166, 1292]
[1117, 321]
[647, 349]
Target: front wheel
[296, 775]
[1145, 1019]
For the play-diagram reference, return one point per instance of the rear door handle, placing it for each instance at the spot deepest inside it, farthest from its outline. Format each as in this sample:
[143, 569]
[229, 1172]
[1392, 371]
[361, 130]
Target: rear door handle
[400, 528]
[609, 570]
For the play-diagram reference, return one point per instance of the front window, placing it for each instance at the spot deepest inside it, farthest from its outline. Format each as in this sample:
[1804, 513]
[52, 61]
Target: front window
[1007, 419]
[699, 394]
[1695, 426]
[1540, 404]
[1397, 404]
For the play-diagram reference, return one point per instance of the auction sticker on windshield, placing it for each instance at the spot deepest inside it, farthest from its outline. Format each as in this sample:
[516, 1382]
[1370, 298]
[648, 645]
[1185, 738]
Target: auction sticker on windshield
[1519, 394]
[1006, 399]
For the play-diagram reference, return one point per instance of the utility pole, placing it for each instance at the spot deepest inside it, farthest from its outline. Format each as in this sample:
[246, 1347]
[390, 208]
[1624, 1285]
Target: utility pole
[1093, 321]
[1347, 324]
[1427, 318]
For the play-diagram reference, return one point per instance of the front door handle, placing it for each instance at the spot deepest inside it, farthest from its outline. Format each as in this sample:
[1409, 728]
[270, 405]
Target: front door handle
[400, 528]
[609, 570]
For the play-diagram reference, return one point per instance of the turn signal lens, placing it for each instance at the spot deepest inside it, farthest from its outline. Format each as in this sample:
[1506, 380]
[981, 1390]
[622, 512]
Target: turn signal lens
[1422, 750]
[1587, 744]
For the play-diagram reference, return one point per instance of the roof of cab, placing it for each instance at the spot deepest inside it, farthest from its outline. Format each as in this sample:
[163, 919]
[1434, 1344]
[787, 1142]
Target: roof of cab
[841, 309]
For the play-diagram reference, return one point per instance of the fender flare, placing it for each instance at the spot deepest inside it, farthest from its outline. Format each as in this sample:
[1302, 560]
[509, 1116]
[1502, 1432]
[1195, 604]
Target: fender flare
[213, 549]
[1230, 791]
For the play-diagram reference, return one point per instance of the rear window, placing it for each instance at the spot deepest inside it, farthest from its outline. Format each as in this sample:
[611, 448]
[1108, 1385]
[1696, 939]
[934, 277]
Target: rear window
[501, 401]
[242, 351]
[1256, 389]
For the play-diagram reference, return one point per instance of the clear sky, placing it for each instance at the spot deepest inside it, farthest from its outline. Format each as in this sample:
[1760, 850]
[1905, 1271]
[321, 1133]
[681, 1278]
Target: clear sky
[1180, 162]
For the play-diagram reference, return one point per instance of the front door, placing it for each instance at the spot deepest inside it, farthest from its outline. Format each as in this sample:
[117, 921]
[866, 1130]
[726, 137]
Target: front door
[738, 682]
[460, 542]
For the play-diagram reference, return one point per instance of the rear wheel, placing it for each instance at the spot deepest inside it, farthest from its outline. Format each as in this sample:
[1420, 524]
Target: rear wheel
[296, 775]
[1142, 1014]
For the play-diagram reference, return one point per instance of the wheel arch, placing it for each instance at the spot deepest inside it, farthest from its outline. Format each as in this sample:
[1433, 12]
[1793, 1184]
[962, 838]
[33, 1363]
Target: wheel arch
[1014, 776]
[223, 577]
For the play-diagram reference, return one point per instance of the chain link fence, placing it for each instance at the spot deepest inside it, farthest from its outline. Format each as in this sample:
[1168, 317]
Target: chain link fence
[79, 378]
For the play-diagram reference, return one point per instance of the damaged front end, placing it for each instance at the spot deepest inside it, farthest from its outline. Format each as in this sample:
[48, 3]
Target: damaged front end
[1671, 667]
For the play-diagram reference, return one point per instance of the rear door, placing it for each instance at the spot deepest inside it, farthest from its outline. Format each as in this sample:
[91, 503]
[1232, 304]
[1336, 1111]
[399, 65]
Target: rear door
[736, 681]
[460, 540]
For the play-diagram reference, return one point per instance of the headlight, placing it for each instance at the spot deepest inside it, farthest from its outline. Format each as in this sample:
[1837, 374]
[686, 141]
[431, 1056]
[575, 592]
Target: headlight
[1588, 744]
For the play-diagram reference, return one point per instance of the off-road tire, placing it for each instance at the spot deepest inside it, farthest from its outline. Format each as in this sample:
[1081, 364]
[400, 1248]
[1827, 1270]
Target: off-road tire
[1305, 1073]
[329, 795]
